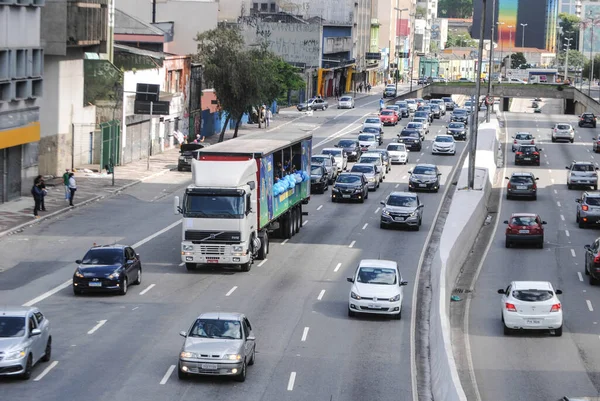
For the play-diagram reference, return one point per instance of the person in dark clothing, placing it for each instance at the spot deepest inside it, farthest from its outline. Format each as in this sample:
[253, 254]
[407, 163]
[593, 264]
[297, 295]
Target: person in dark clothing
[39, 180]
[37, 194]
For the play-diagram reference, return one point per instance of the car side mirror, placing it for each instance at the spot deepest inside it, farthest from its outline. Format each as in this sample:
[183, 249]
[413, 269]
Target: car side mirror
[537, 178]
[439, 174]
[137, 255]
[350, 279]
[251, 338]
[501, 291]
[382, 202]
[506, 178]
[360, 132]
[403, 283]
[78, 261]
[183, 334]
[544, 222]
[568, 168]
[35, 332]
[420, 206]
[588, 247]
[558, 292]
[578, 200]
[505, 221]
[409, 171]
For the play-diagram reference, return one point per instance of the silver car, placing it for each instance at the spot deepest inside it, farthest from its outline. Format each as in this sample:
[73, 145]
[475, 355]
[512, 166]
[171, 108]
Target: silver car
[588, 209]
[373, 122]
[341, 158]
[412, 105]
[401, 209]
[582, 174]
[371, 174]
[563, 132]
[367, 141]
[440, 103]
[330, 165]
[25, 340]
[521, 185]
[346, 102]
[522, 138]
[418, 126]
[376, 159]
[422, 120]
[217, 344]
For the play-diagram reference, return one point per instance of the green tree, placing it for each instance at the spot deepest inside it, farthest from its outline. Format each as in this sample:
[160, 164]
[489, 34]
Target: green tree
[517, 59]
[420, 12]
[576, 58]
[462, 40]
[586, 69]
[455, 8]
[569, 25]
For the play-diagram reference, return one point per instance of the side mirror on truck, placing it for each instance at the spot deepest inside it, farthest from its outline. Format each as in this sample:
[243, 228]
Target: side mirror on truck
[176, 208]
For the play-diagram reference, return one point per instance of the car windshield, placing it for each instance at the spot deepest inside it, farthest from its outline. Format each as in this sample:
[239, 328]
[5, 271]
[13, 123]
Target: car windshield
[563, 126]
[583, 167]
[333, 152]
[371, 121]
[316, 170]
[217, 328]
[420, 120]
[414, 125]
[376, 275]
[402, 104]
[421, 114]
[410, 134]
[447, 99]
[346, 143]
[592, 201]
[422, 170]
[520, 179]
[12, 326]
[456, 125]
[524, 137]
[371, 130]
[532, 295]
[371, 159]
[459, 111]
[366, 138]
[345, 99]
[527, 149]
[410, 101]
[443, 139]
[348, 178]
[404, 201]
[387, 113]
[102, 256]
[397, 147]
[524, 221]
[363, 169]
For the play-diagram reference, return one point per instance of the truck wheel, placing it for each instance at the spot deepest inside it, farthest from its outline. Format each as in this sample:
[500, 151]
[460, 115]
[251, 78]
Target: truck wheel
[299, 214]
[190, 266]
[246, 266]
[286, 226]
[264, 247]
[291, 224]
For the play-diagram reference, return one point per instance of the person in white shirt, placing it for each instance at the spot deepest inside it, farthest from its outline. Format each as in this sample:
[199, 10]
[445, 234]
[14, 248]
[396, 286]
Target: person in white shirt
[268, 117]
[72, 188]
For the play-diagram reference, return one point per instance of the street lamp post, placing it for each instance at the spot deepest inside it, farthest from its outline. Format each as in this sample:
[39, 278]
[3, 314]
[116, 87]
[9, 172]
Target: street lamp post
[501, 46]
[412, 51]
[491, 62]
[523, 38]
[399, 18]
[567, 48]
[510, 27]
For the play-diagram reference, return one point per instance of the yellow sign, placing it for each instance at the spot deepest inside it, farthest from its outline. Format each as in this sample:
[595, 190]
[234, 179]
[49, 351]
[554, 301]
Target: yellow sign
[19, 136]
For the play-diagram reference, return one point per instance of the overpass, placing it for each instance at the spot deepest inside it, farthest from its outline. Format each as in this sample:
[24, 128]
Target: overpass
[575, 101]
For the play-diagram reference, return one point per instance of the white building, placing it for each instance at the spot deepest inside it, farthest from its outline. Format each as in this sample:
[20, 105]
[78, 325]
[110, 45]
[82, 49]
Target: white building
[570, 7]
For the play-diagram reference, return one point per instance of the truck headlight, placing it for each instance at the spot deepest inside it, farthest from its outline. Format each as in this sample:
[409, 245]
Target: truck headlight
[238, 248]
[188, 247]
[385, 212]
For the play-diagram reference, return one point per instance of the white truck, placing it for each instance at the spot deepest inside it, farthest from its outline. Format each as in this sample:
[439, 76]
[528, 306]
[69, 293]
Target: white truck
[244, 190]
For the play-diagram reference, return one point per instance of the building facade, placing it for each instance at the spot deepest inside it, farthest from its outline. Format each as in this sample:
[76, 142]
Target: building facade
[591, 15]
[570, 7]
[21, 90]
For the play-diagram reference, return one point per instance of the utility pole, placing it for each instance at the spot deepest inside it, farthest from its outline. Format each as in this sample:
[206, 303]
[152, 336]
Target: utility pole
[412, 52]
[501, 46]
[474, 125]
[523, 39]
[398, 18]
[491, 63]
[510, 43]
[150, 136]
[567, 48]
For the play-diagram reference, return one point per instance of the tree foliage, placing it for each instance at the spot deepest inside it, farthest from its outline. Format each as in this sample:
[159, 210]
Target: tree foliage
[420, 12]
[569, 24]
[455, 8]
[586, 69]
[463, 40]
[517, 59]
[576, 58]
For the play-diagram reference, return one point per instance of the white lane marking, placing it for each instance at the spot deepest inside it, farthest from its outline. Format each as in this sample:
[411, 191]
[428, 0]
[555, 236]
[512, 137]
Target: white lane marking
[550, 171]
[182, 263]
[555, 191]
[377, 210]
[397, 185]
[147, 289]
[291, 382]
[156, 234]
[589, 305]
[45, 371]
[351, 244]
[365, 226]
[97, 326]
[231, 291]
[547, 162]
[558, 203]
[320, 207]
[562, 217]
[341, 132]
[422, 153]
[320, 297]
[337, 267]
[580, 276]
[304, 222]
[418, 160]
[426, 147]
[573, 253]
[285, 242]
[567, 233]
[137, 307]
[262, 263]
[592, 156]
[49, 293]
[403, 177]
[168, 374]
[304, 334]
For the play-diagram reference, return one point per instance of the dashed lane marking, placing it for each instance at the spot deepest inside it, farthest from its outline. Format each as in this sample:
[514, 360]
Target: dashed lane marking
[147, 289]
[231, 291]
[263, 262]
[99, 324]
[46, 371]
[320, 297]
[337, 267]
[167, 375]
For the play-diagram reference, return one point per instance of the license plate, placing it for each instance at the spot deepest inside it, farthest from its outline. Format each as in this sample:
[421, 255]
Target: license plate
[523, 231]
[345, 196]
[534, 321]
[212, 261]
[95, 284]
[210, 366]
[375, 306]
[422, 185]
[527, 158]
[399, 218]
[521, 186]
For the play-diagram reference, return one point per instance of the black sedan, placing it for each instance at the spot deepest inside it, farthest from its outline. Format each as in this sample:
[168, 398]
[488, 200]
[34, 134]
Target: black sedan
[457, 130]
[528, 154]
[436, 111]
[411, 138]
[107, 268]
[587, 119]
[375, 131]
[351, 149]
[424, 177]
[350, 186]
[460, 116]
[319, 179]
[188, 152]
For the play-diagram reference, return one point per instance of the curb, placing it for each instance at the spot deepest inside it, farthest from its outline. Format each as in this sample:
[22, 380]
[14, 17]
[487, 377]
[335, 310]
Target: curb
[94, 199]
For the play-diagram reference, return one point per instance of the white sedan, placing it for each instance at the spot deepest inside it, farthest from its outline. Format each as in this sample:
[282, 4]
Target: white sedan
[377, 288]
[341, 158]
[443, 144]
[531, 305]
[398, 153]
[372, 122]
[346, 102]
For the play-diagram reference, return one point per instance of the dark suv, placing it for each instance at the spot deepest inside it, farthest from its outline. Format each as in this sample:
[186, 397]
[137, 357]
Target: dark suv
[350, 186]
[424, 177]
[188, 152]
[592, 261]
[587, 119]
[528, 154]
[319, 180]
[521, 185]
[436, 111]
[460, 116]
[411, 138]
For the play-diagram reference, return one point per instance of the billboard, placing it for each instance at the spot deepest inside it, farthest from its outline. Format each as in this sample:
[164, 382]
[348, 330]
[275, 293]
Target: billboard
[589, 23]
[540, 17]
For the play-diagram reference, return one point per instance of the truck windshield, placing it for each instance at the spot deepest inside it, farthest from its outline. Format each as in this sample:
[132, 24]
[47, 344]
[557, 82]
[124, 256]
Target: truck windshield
[214, 206]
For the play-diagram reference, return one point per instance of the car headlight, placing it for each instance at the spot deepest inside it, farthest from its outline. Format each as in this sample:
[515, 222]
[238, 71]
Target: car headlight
[371, 179]
[385, 212]
[15, 355]
[78, 273]
[181, 158]
[186, 354]
[352, 153]
[233, 357]
[238, 248]
[413, 214]
[114, 276]
[188, 247]
[354, 295]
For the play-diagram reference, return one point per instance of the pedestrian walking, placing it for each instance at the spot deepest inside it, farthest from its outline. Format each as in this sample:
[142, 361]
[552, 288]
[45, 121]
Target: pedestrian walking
[36, 192]
[65, 178]
[263, 115]
[72, 188]
[268, 117]
[39, 180]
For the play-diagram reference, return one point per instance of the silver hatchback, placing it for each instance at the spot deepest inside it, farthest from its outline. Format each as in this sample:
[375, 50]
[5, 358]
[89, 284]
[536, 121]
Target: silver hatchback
[217, 344]
[371, 173]
[25, 340]
[588, 209]
[401, 209]
[521, 185]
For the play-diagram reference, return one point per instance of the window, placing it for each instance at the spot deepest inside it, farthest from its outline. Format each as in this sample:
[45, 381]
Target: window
[174, 81]
[255, 6]
[273, 5]
[129, 254]
[264, 6]
[32, 324]
[245, 328]
[39, 317]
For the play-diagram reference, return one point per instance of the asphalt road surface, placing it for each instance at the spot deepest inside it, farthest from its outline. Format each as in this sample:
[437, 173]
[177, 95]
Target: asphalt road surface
[537, 366]
[126, 347]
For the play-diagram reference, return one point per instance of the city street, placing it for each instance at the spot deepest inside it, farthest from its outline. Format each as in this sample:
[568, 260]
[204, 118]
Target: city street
[126, 347]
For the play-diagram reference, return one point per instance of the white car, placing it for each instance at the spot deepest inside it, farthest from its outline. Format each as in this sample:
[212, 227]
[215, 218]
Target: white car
[516, 81]
[443, 144]
[367, 141]
[377, 288]
[398, 153]
[375, 158]
[412, 105]
[346, 102]
[419, 127]
[341, 158]
[372, 122]
[423, 121]
[440, 103]
[522, 138]
[563, 132]
[531, 305]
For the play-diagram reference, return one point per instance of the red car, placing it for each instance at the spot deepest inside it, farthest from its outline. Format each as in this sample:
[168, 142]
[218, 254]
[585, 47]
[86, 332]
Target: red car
[388, 117]
[525, 228]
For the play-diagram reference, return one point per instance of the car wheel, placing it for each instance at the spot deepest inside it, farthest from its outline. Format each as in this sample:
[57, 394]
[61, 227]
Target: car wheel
[398, 316]
[138, 280]
[124, 283]
[417, 227]
[508, 197]
[572, 140]
[242, 376]
[351, 313]
[179, 169]
[48, 351]
[595, 187]
[507, 330]
[569, 186]
[382, 226]
[367, 194]
[253, 357]
[362, 200]
[581, 224]
[190, 266]
[507, 244]
[28, 367]
[541, 244]
[534, 197]
[77, 291]
[180, 373]
[592, 280]
[553, 139]
[558, 332]
[264, 247]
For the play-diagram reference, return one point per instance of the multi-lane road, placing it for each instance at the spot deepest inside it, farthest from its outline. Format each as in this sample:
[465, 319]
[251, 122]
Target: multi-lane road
[126, 347]
[536, 366]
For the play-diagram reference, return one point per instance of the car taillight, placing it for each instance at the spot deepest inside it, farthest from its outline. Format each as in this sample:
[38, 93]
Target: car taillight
[508, 186]
[536, 153]
[510, 307]
[585, 207]
[534, 186]
[597, 259]
[555, 308]
[519, 153]
[515, 142]
[533, 141]
[555, 130]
